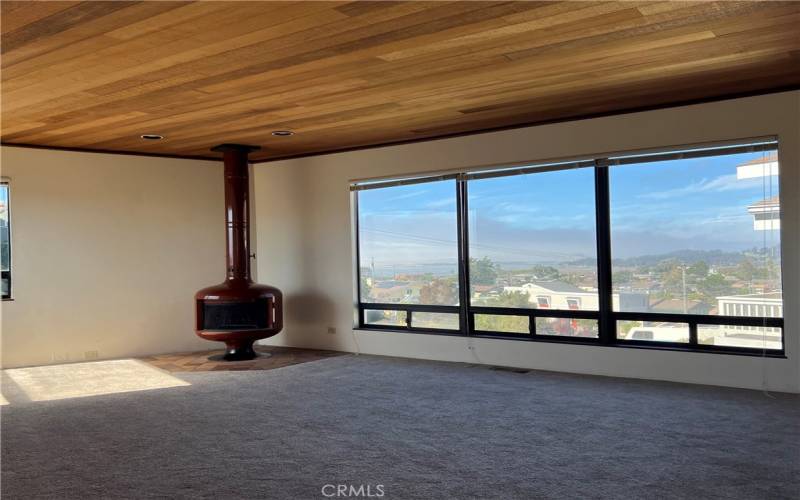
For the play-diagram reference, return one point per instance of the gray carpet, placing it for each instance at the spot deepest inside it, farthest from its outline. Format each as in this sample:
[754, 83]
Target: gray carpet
[421, 429]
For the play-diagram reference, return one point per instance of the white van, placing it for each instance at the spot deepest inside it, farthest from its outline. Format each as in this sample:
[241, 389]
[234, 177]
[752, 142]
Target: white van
[659, 333]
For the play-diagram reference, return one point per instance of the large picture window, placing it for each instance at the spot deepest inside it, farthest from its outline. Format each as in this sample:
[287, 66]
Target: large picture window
[533, 235]
[675, 249]
[408, 254]
[5, 241]
[688, 237]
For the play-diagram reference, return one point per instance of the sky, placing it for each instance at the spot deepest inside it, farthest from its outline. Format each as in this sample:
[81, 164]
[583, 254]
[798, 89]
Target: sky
[549, 217]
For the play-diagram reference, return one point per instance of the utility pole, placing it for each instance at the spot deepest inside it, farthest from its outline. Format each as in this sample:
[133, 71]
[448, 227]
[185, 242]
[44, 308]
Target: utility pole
[683, 278]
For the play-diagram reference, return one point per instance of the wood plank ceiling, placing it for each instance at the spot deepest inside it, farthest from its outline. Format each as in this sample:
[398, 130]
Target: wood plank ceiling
[97, 75]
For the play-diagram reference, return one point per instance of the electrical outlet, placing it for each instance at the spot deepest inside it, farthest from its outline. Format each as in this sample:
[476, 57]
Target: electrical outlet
[90, 355]
[60, 357]
[332, 330]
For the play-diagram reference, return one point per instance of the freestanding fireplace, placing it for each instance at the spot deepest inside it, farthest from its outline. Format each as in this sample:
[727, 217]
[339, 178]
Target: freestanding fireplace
[238, 311]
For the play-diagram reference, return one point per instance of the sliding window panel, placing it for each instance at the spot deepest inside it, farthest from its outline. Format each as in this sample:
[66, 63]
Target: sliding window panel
[753, 337]
[437, 321]
[532, 241]
[567, 327]
[653, 331]
[380, 317]
[697, 236]
[503, 323]
[408, 244]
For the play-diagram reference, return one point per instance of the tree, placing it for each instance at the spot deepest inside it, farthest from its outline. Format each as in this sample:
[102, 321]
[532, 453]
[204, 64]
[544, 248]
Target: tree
[622, 277]
[699, 269]
[546, 272]
[498, 323]
[505, 323]
[366, 289]
[482, 272]
[510, 299]
[440, 291]
[745, 270]
[626, 326]
[713, 286]
[673, 278]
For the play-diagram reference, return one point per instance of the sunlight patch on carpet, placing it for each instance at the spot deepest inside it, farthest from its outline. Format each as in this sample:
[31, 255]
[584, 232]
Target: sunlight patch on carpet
[47, 383]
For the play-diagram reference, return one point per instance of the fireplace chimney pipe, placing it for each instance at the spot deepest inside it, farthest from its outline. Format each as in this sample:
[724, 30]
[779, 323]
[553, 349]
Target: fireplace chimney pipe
[237, 209]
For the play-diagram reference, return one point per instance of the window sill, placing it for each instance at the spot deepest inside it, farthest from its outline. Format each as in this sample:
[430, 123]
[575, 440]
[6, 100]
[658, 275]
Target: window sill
[8, 299]
[585, 342]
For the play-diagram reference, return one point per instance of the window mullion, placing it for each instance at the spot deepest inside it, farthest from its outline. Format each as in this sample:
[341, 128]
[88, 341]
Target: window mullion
[603, 213]
[462, 225]
[356, 222]
[693, 333]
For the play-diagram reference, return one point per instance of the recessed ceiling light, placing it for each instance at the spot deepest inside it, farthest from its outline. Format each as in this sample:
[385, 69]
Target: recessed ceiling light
[152, 137]
[282, 133]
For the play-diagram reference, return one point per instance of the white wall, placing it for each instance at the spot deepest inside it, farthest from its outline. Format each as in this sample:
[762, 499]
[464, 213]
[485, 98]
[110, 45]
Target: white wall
[303, 210]
[107, 253]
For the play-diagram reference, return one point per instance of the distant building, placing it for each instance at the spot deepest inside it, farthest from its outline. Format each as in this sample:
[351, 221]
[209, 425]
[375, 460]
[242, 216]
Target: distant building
[554, 294]
[678, 306]
[768, 305]
[760, 167]
[766, 213]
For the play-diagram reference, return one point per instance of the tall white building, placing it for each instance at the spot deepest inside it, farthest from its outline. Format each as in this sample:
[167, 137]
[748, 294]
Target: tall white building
[767, 212]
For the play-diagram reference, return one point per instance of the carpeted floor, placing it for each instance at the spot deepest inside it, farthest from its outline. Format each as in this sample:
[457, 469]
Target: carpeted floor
[420, 429]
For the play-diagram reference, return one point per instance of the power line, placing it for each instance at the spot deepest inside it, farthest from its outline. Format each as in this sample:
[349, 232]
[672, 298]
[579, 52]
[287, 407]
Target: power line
[517, 250]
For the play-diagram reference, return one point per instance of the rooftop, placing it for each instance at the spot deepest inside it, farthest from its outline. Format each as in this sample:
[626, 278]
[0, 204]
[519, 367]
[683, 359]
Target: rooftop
[771, 202]
[772, 157]
[559, 286]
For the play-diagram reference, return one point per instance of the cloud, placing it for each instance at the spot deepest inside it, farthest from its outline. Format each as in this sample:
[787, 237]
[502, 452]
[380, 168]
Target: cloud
[727, 182]
[444, 202]
[412, 194]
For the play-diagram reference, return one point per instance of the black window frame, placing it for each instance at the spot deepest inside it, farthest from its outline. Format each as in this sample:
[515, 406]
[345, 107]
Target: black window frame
[6, 275]
[605, 316]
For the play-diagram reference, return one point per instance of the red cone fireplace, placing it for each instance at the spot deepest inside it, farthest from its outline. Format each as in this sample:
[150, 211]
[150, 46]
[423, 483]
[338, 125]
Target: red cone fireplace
[238, 311]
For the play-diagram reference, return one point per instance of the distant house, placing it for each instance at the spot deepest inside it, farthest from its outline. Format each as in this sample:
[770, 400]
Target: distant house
[554, 294]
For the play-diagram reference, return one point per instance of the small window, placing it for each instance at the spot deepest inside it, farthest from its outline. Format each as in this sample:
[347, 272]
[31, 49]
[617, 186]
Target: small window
[567, 327]
[740, 336]
[5, 241]
[437, 321]
[573, 303]
[380, 317]
[543, 301]
[502, 323]
[653, 332]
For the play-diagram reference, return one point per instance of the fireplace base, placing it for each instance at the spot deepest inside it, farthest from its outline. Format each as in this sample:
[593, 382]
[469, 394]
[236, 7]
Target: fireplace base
[239, 351]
